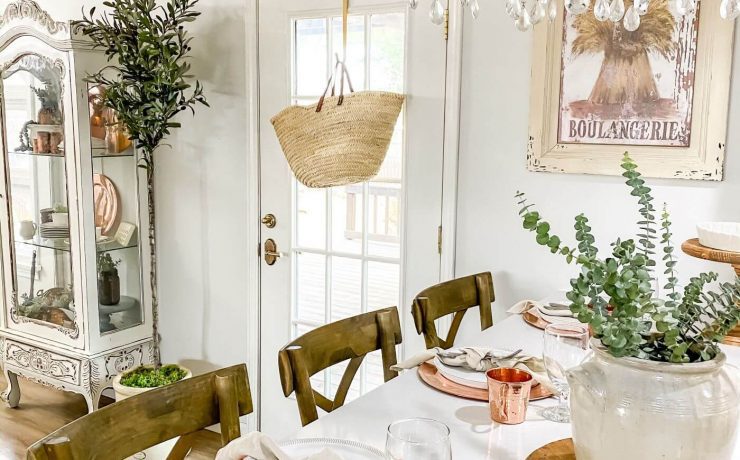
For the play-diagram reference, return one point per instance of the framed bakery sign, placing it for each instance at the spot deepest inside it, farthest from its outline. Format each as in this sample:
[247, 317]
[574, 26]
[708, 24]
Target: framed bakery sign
[659, 92]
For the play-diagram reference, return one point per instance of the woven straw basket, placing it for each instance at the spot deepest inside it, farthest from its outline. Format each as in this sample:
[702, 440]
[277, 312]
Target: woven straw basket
[342, 142]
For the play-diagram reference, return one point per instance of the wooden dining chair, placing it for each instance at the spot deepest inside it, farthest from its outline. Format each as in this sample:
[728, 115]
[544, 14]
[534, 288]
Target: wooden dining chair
[182, 409]
[454, 297]
[349, 339]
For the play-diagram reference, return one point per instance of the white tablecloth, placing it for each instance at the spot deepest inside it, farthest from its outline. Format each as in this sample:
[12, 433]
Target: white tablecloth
[474, 436]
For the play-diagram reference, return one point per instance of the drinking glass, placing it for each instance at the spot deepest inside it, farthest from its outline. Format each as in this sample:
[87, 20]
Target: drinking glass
[418, 439]
[566, 347]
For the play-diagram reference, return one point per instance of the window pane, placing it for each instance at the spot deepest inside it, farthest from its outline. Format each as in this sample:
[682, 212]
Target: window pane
[347, 216]
[355, 47]
[392, 169]
[311, 217]
[387, 51]
[346, 288]
[311, 288]
[374, 376]
[382, 285]
[337, 372]
[310, 59]
[384, 234]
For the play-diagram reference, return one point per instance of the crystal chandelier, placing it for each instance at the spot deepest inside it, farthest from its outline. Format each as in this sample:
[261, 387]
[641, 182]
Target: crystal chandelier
[527, 13]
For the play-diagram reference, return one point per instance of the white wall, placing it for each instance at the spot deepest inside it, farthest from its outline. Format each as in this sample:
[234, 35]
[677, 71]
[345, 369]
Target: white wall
[495, 108]
[202, 197]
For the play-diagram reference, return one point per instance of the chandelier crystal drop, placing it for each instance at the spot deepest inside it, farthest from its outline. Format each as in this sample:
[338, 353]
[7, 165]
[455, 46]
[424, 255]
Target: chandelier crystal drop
[617, 10]
[527, 13]
[602, 10]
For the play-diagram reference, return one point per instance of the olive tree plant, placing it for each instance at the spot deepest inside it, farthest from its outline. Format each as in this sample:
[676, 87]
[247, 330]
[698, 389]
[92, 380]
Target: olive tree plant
[148, 83]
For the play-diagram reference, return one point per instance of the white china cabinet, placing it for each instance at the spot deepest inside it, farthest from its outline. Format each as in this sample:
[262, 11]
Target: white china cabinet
[76, 309]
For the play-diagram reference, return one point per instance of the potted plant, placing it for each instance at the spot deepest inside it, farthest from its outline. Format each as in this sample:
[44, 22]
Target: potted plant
[655, 386]
[109, 284]
[147, 84]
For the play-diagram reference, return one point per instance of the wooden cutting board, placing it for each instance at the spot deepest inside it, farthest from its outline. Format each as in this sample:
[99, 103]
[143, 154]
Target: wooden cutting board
[558, 450]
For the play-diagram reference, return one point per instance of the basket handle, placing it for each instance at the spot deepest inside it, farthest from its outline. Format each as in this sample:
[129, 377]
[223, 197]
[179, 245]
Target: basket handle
[340, 67]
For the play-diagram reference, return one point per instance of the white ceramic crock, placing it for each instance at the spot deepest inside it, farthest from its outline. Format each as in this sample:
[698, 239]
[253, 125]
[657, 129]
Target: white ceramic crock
[123, 392]
[643, 410]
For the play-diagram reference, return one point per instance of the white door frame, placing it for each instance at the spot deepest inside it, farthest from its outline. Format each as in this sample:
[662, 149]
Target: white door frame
[449, 185]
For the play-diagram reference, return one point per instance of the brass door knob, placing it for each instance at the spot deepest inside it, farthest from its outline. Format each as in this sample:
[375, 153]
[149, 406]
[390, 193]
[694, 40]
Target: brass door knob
[269, 220]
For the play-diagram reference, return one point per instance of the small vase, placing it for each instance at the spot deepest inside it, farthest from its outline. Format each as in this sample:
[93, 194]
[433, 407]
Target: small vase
[109, 287]
[644, 410]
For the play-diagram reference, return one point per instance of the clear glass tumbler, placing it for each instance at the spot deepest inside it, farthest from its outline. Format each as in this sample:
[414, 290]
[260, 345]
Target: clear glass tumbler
[566, 346]
[418, 439]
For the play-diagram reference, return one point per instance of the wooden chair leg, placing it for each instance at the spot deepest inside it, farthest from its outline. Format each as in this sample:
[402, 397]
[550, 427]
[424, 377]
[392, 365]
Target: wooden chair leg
[182, 447]
[59, 449]
[387, 345]
[302, 383]
[228, 407]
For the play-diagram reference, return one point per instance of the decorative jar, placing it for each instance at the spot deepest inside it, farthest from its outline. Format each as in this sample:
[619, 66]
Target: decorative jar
[646, 410]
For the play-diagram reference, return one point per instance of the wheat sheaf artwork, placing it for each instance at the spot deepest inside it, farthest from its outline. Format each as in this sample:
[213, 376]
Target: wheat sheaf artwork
[629, 88]
[659, 91]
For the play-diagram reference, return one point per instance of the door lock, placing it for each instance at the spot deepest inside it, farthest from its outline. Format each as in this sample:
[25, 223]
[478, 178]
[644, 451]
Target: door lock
[271, 253]
[269, 220]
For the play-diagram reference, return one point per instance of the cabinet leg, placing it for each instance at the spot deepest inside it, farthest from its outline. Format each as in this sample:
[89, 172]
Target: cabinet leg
[12, 393]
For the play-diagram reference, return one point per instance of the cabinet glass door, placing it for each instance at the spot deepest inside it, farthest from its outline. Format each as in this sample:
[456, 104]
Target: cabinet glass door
[115, 190]
[41, 263]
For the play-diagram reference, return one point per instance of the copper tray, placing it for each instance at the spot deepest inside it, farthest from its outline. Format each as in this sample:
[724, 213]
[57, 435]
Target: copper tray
[533, 319]
[431, 376]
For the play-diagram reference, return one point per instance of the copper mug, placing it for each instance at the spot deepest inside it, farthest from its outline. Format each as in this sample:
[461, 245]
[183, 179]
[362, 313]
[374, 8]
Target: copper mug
[508, 394]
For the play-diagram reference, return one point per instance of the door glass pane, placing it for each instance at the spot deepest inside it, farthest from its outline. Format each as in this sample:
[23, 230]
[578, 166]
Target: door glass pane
[387, 31]
[311, 288]
[115, 212]
[34, 129]
[355, 47]
[310, 57]
[346, 288]
[356, 227]
[311, 218]
[347, 219]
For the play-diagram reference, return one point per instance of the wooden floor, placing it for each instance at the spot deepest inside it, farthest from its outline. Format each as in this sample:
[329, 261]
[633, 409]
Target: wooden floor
[43, 410]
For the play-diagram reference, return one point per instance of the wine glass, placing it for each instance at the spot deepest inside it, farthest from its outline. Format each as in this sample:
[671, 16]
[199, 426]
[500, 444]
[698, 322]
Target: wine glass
[418, 439]
[566, 347]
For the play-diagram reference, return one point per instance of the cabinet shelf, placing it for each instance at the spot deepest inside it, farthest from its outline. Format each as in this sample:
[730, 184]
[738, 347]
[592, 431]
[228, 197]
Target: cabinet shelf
[63, 244]
[31, 153]
[102, 152]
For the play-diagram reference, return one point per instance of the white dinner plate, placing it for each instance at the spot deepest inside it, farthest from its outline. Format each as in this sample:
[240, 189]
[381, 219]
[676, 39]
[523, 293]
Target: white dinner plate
[347, 450]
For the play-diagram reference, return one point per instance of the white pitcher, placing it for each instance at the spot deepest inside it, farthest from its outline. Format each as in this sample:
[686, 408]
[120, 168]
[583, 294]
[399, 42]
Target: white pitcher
[628, 408]
[27, 229]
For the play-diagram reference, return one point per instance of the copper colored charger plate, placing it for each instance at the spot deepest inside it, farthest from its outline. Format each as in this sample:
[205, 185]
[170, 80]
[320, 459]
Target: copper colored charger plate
[558, 450]
[429, 374]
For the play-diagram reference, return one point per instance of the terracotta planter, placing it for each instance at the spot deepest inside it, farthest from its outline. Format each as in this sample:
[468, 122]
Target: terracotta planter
[643, 410]
[124, 392]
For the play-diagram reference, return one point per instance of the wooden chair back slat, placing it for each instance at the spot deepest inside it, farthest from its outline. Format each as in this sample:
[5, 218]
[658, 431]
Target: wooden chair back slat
[349, 339]
[134, 424]
[455, 298]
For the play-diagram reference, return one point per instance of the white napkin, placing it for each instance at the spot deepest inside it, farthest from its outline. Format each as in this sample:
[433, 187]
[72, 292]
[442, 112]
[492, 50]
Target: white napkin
[258, 446]
[480, 359]
[545, 311]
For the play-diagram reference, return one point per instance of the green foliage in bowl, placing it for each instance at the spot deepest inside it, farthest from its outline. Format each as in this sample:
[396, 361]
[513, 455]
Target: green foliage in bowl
[149, 377]
[616, 296]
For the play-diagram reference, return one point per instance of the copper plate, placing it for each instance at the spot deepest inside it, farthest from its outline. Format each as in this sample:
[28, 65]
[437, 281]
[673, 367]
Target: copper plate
[107, 207]
[429, 374]
[532, 318]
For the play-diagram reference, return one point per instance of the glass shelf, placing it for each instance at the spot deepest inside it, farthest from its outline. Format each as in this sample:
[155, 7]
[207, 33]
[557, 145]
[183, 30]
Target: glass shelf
[31, 153]
[114, 245]
[63, 244]
[102, 152]
[58, 244]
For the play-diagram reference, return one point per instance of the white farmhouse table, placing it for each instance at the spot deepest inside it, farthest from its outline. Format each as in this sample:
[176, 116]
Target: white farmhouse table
[474, 436]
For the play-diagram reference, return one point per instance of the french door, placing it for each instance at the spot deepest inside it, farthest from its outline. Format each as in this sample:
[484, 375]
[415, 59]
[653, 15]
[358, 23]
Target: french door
[332, 253]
